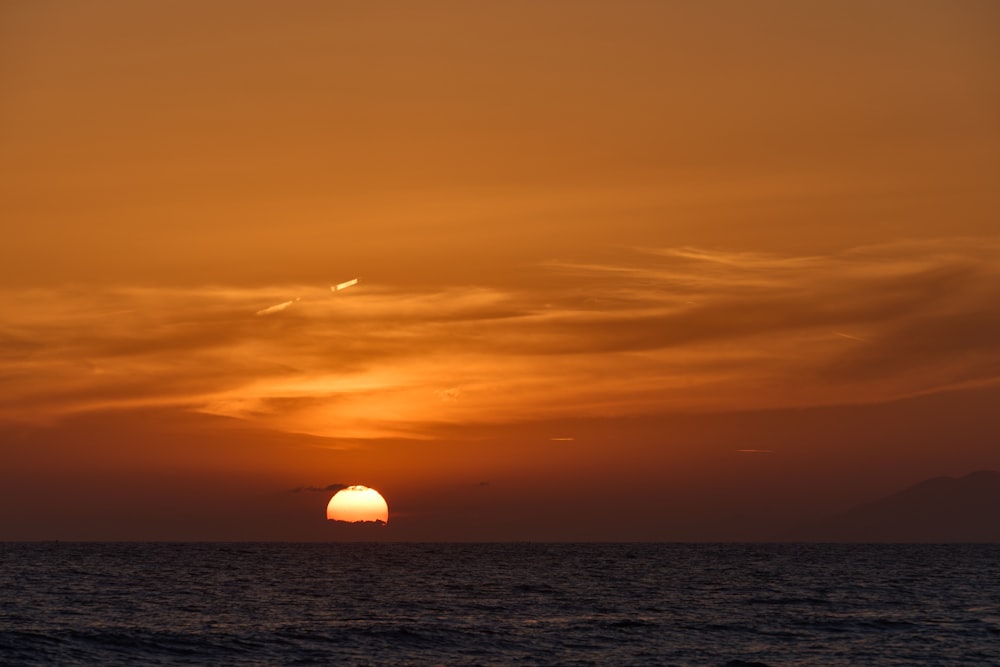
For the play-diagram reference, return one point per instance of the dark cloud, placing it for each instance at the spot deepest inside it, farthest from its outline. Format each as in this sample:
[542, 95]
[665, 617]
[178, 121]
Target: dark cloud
[319, 489]
[968, 340]
[833, 293]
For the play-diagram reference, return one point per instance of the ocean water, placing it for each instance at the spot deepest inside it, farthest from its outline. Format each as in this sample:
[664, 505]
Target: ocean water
[498, 604]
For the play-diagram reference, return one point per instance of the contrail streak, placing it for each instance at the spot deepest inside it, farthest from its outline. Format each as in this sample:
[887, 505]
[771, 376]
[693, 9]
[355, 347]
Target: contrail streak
[277, 308]
[344, 285]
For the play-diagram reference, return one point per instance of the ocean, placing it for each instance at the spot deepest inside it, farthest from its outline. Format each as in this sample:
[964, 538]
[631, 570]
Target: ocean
[498, 604]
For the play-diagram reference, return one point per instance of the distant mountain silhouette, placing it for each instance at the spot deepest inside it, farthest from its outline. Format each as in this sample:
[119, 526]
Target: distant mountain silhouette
[942, 509]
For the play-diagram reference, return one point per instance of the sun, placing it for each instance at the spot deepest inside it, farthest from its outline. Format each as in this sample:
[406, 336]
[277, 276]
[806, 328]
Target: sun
[358, 504]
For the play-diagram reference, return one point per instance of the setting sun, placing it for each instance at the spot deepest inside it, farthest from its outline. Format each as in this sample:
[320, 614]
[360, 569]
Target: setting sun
[358, 504]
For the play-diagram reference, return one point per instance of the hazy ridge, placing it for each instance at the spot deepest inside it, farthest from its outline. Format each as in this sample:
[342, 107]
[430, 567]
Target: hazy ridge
[940, 509]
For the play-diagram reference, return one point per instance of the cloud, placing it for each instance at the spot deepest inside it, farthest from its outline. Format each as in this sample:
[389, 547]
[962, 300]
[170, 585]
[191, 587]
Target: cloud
[319, 489]
[672, 330]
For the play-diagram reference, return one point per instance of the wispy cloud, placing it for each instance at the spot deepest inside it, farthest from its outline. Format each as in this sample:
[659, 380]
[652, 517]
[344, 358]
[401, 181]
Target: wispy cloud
[849, 336]
[319, 489]
[673, 330]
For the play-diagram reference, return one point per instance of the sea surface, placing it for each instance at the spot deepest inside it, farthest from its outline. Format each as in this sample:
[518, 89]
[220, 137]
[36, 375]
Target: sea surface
[498, 604]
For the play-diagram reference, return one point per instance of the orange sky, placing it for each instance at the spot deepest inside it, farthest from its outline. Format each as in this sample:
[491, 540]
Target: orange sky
[604, 250]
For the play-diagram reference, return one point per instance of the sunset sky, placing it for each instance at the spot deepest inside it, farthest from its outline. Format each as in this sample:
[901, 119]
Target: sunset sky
[627, 270]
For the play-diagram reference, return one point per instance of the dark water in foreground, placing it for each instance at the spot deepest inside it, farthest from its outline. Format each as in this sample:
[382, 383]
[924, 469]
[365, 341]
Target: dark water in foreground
[499, 604]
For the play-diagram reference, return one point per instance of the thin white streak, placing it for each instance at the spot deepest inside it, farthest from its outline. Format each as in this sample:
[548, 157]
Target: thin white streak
[850, 337]
[277, 308]
[344, 285]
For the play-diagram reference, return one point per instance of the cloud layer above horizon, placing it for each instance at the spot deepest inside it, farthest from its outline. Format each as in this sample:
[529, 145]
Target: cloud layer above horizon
[673, 330]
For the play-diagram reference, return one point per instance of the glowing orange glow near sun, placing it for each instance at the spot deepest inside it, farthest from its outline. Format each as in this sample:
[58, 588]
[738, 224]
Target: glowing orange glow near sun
[358, 504]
